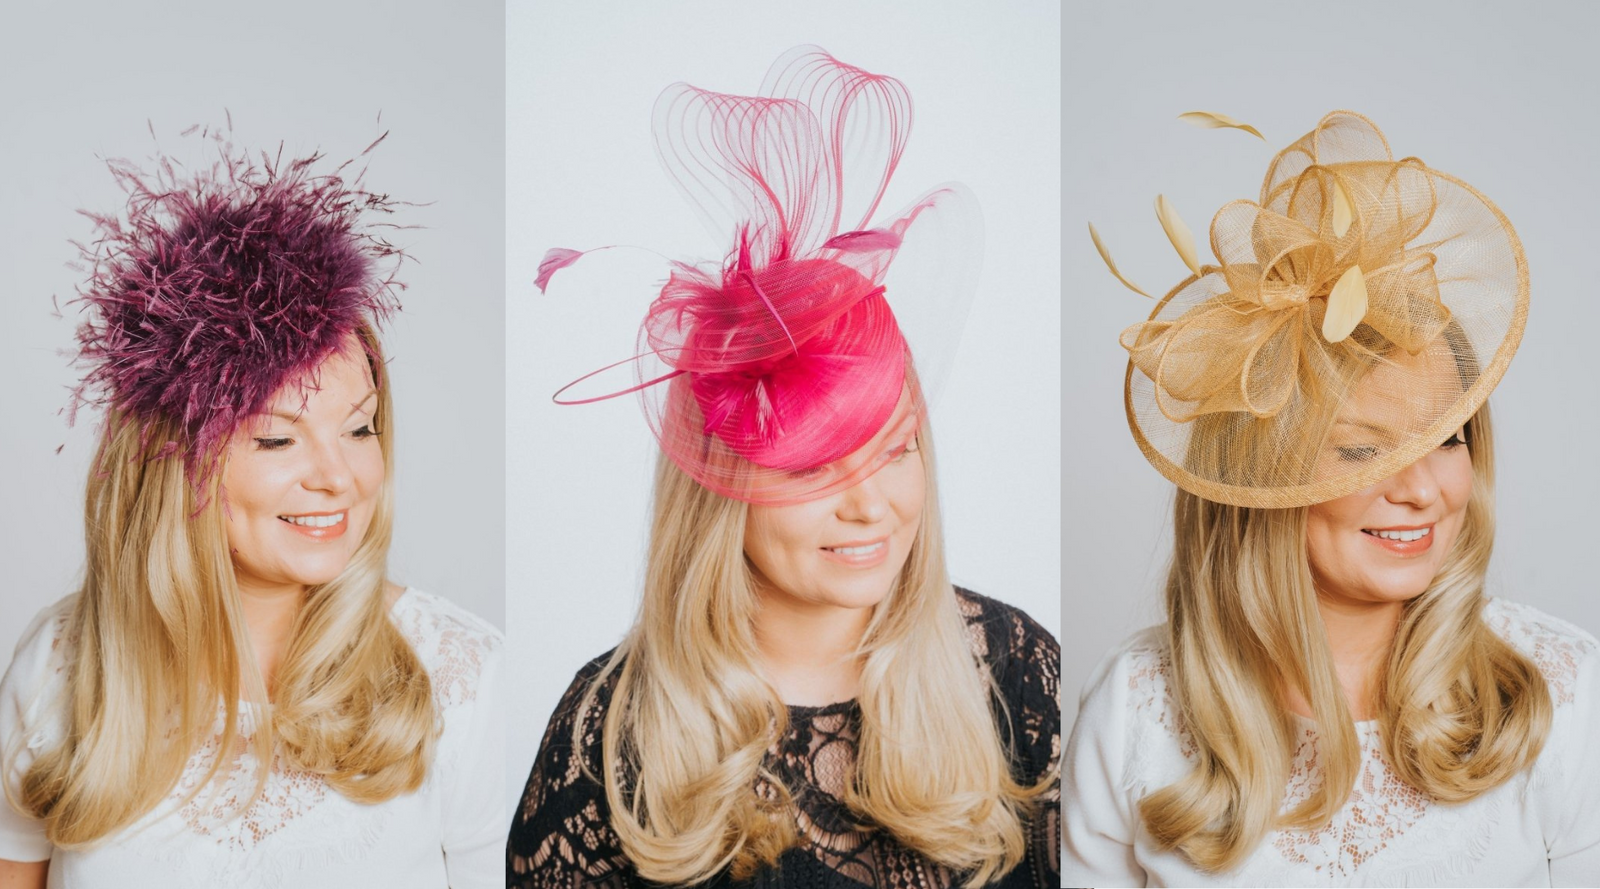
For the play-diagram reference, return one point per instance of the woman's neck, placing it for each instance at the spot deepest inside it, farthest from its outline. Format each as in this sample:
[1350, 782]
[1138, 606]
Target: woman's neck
[1360, 636]
[269, 613]
[809, 649]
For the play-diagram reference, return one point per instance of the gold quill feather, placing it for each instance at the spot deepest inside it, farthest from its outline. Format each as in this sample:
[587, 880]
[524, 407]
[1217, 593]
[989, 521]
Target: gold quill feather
[1177, 233]
[1106, 255]
[1214, 121]
[1343, 213]
[1347, 305]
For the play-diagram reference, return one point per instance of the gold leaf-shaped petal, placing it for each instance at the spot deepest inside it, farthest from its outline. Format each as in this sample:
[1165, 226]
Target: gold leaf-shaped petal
[1177, 233]
[1214, 121]
[1347, 305]
[1343, 213]
[1106, 255]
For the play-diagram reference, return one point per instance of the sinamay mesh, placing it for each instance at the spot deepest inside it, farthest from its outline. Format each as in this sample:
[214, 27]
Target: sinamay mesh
[783, 371]
[1234, 392]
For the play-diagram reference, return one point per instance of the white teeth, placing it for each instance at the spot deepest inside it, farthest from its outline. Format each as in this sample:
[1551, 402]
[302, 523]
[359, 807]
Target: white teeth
[856, 550]
[314, 521]
[1406, 536]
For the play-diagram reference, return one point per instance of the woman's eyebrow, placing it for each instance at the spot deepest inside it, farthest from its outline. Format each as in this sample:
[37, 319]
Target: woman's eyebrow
[1371, 427]
[354, 408]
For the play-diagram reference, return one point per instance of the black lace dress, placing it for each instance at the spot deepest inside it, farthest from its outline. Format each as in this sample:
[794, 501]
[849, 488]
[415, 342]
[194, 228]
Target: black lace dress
[562, 837]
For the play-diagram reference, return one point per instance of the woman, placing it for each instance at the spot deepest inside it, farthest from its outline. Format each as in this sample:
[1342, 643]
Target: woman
[1333, 699]
[804, 697]
[237, 695]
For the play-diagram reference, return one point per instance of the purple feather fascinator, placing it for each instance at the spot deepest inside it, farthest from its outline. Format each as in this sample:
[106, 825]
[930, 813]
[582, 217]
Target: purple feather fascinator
[219, 286]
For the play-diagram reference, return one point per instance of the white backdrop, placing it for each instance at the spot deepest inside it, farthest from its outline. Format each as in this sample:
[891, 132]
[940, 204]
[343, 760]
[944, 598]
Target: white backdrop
[1490, 92]
[81, 80]
[581, 172]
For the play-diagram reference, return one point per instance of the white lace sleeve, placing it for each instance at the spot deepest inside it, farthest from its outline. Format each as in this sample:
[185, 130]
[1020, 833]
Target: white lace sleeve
[477, 816]
[1567, 789]
[30, 721]
[1099, 809]
[463, 656]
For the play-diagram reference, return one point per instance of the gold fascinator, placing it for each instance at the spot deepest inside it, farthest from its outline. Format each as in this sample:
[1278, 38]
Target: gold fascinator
[1358, 316]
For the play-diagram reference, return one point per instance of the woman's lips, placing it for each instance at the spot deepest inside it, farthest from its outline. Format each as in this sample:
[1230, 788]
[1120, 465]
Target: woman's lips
[858, 553]
[1408, 540]
[319, 525]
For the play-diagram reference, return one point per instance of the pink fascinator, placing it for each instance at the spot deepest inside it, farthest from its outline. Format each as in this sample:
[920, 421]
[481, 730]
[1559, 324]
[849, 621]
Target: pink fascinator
[784, 371]
[218, 286]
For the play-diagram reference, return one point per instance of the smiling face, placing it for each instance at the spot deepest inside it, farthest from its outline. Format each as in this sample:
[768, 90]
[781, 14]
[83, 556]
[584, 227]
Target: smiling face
[1388, 541]
[302, 481]
[844, 550]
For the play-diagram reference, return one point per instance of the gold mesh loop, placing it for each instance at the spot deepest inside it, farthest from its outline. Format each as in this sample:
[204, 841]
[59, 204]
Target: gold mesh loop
[1235, 389]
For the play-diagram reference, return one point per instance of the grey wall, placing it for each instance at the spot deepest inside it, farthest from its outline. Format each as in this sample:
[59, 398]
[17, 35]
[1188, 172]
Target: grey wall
[1495, 93]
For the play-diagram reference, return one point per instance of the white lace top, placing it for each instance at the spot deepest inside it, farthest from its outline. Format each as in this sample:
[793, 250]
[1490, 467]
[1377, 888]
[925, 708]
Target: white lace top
[300, 832]
[1542, 828]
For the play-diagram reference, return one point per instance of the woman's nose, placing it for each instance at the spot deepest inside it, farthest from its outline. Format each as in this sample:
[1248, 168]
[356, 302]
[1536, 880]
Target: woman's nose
[329, 470]
[1416, 485]
[864, 502]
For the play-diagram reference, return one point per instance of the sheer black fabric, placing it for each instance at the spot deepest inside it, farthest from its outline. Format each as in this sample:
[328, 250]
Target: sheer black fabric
[561, 836]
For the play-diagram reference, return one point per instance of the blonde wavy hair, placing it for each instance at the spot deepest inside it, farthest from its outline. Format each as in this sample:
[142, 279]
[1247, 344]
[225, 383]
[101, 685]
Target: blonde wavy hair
[1460, 710]
[159, 641]
[691, 718]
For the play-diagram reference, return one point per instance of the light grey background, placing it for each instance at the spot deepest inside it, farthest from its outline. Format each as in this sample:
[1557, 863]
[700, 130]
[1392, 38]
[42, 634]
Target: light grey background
[582, 173]
[78, 82]
[1498, 94]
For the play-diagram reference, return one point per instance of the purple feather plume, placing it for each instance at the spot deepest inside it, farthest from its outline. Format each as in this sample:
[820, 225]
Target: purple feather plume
[218, 287]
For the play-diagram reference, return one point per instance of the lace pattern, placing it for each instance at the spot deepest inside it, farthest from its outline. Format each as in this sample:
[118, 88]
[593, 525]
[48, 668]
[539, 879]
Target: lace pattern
[452, 646]
[215, 812]
[1387, 831]
[1555, 646]
[452, 643]
[562, 835]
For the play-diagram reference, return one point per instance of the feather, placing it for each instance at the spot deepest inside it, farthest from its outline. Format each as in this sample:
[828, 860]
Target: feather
[1343, 213]
[1106, 255]
[555, 259]
[217, 288]
[1347, 305]
[1214, 121]
[1177, 233]
[375, 143]
[863, 241]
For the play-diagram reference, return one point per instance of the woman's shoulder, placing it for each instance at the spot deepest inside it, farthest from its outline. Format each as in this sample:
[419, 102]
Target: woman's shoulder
[46, 645]
[1003, 633]
[1136, 671]
[1024, 662]
[455, 646]
[571, 751]
[1128, 712]
[33, 690]
[1130, 691]
[578, 706]
[1559, 649]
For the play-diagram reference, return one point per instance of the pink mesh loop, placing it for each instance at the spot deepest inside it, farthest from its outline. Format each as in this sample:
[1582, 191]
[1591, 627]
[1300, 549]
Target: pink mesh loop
[782, 373]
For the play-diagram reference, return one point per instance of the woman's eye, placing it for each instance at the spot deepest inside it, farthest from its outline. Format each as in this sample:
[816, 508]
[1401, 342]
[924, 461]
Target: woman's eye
[813, 472]
[1453, 441]
[364, 432]
[899, 454]
[1357, 453]
[273, 444]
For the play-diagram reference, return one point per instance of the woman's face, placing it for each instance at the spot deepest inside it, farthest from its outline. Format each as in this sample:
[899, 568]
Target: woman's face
[1387, 542]
[302, 480]
[844, 550]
